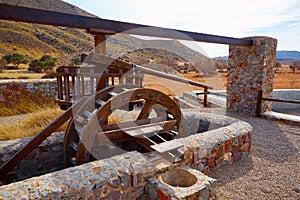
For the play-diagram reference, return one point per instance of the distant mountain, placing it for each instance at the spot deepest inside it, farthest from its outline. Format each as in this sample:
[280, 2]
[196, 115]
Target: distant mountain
[288, 55]
[35, 40]
[221, 58]
[280, 55]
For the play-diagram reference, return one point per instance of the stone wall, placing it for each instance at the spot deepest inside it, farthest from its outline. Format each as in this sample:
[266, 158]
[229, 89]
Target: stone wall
[130, 175]
[251, 69]
[48, 157]
[12, 91]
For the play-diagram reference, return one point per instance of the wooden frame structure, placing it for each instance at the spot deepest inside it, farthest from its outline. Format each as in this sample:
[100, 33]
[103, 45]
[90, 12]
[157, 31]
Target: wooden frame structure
[101, 28]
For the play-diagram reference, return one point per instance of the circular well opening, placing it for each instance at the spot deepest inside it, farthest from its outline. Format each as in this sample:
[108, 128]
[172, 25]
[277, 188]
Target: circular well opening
[179, 178]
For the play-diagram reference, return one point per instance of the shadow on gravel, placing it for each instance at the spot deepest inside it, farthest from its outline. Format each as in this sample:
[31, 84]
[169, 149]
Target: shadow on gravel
[269, 139]
[237, 170]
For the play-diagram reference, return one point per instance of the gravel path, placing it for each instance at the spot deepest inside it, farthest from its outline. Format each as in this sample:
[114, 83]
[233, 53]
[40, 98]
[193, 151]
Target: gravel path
[272, 172]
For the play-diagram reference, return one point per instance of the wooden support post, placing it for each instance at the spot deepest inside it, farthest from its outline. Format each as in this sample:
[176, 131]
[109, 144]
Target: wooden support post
[100, 44]
[67, 87]
[59, 87]
[82, 85]
[259, 103]
[77, 89]
[100, 48]
[92, 84]
[205, 100]
[73, 84]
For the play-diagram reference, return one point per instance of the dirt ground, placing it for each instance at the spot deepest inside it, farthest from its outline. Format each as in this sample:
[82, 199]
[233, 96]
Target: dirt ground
[284, 79]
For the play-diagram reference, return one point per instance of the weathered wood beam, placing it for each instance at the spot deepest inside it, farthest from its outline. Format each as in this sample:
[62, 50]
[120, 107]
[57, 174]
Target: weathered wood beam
[31, 15]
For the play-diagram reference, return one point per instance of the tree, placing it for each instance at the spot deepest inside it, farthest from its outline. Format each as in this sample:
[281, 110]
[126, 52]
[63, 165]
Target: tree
[295, 65]
[48, 65]
[46, 58]
[45, 63]
[277, 66]
[35, 66]
[15, 59]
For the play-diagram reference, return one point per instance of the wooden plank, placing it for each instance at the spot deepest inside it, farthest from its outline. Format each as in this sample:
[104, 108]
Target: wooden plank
[281, 100]
[129, 124]
[144, 131]
[216, 93]
[165, 126]
[167, 146]
[31, 15]
[172, 77]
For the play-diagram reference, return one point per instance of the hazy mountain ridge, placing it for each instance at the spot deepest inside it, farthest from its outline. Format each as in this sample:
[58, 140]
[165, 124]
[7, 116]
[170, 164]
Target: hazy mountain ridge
[34, 40]
[280, 55]
[288, 55]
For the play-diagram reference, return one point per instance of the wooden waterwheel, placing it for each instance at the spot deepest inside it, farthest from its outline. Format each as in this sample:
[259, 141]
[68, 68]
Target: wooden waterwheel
[92, 135]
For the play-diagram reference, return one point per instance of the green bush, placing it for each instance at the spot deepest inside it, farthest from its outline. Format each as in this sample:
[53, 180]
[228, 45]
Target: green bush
[15, 59]
[44, 64]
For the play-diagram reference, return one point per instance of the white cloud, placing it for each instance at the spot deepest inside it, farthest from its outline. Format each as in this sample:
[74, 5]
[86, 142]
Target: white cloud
[236, 18]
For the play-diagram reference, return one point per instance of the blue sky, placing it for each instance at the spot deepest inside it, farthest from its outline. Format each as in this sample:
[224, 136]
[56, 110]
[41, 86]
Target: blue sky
[236, 18]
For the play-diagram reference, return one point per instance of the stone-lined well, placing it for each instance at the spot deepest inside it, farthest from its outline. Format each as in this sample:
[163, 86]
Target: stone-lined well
[132, 175]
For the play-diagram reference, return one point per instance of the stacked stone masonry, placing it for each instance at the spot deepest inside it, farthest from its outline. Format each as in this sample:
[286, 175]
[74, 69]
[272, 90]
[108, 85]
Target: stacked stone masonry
[48, 157]
[12, 91]
[132, 175]
[251, 69]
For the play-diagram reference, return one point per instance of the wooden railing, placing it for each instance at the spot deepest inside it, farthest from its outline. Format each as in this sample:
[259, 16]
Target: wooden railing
[76, 82]
[206, 92]
[72, 81]
[260, 100]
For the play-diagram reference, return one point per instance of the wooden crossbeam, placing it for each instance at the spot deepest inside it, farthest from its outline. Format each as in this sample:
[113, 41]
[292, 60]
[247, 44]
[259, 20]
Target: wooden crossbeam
[31, 15]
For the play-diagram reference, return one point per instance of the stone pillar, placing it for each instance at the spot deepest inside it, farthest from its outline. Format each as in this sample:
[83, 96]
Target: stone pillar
[100, 44]
[251, 69]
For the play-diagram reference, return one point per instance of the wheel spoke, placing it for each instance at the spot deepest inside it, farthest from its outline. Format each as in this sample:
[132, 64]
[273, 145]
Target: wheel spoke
[145, 112]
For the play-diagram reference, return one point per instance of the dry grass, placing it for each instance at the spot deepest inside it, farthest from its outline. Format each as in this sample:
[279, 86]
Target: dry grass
[35, 122]
[41, 113]
[9, 75]
[31, 125]
[26, 105]
[38, 115]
